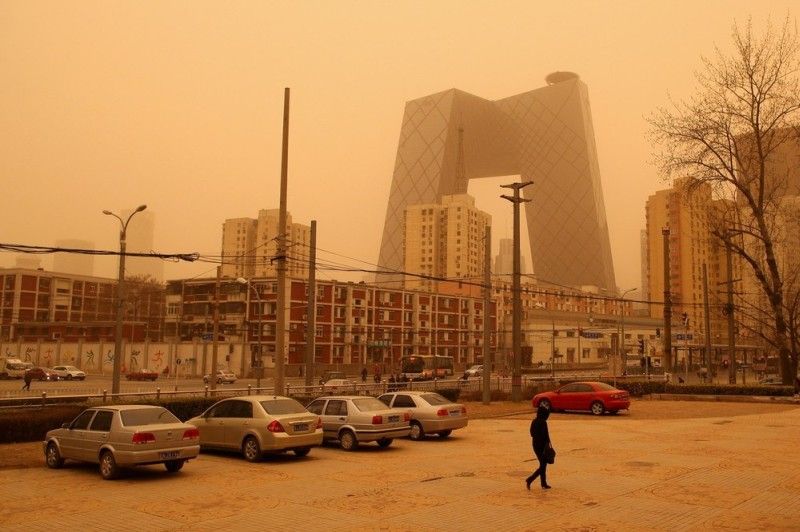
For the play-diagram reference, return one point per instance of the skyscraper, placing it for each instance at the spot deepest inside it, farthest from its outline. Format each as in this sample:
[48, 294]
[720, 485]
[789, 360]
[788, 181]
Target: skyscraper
[545, 136]
[76, 263]
[504, 261]
[140, 237]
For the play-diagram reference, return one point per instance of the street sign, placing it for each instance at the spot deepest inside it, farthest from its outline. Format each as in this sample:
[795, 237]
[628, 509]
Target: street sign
[208, 336]
[683, 336]
[379, 343]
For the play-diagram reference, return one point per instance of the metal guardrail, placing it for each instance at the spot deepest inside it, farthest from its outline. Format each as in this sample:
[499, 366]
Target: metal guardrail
[496, 383]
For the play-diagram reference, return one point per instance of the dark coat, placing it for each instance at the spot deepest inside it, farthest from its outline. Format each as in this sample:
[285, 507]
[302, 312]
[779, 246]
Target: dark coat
[539, 433]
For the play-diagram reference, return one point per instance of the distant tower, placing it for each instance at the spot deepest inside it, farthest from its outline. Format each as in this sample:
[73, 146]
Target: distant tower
[76, 263]
[504, 261]
[27, 262]
[140, 237]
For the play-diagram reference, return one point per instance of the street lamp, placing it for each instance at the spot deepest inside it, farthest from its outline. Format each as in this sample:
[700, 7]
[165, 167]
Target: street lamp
[621, 343]
[120, 297]
[242, 280]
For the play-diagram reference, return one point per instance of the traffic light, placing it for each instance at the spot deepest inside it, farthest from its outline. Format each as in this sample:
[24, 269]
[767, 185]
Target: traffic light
[641, 346]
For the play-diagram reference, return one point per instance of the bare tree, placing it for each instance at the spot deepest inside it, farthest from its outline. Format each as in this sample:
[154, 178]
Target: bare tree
[732, 135]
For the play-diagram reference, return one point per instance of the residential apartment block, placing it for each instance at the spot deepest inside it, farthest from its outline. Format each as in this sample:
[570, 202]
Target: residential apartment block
[356, 323]
[249, 246]
[444, 240]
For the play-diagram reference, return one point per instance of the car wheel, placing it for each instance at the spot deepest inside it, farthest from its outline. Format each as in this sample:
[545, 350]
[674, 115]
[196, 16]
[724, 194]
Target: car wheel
[416, 431]
[69, 377]
[598, 408]
[251, 449]
[386, 442]
[302, 451]
[348, 440]
[205, 381]
[173, 466]
[219, 381]
[546, 403]
[108, 466]
[52, 456]
[445, 433]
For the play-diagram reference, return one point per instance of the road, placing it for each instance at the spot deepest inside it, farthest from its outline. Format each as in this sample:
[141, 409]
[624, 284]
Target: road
[664, 466]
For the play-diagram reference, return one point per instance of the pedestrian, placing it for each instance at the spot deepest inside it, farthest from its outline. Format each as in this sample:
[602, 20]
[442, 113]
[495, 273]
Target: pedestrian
[797, 385]
[540, 439]
[28, 378]
[364, 374]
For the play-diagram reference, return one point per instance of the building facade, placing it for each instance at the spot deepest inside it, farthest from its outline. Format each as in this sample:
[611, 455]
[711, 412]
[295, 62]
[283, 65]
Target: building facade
[444, 240]
[545, 136]
[249, 246]
[141, 239]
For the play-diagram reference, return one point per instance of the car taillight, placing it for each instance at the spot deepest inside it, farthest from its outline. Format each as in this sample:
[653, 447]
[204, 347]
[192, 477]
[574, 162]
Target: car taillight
[442, 412]
[275, 426]
[191, 434]
[406, 417]
[319, 422]
[143, 437]
[377, 420]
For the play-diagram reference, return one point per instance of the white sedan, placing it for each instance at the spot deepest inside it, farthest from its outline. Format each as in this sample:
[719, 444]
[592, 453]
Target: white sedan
[69, 372]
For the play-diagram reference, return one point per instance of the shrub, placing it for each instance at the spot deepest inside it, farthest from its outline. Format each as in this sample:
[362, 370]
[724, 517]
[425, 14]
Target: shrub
[32, 423]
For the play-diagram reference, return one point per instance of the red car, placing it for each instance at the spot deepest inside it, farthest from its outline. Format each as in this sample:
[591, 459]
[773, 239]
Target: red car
[42, 374]
[142, 375]
[596, 397]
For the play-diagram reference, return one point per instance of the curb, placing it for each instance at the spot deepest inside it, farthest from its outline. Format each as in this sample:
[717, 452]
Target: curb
[725, 398]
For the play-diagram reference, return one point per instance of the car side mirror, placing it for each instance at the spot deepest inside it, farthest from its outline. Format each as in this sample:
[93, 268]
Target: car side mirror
[65, 425]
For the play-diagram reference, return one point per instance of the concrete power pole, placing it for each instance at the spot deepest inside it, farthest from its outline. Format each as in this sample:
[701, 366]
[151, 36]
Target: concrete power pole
[707, 358]
[487, 301]
[214, 360]
[516, 376]
[667, 305]
[729, 306]
[280, 325]
[311, 311]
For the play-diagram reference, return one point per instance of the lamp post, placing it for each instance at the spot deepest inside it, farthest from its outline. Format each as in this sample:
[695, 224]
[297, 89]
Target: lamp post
[242, 280]
[120, 297]
[621, 343]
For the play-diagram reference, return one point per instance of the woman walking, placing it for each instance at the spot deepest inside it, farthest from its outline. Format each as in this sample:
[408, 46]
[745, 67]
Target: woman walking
[540, 438]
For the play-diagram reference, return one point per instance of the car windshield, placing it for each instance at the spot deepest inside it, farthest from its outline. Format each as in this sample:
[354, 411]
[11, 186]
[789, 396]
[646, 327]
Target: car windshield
[277, 407]
[71, 368]
[369, 404]
[603, 386]
[147, 416]
[435, 399]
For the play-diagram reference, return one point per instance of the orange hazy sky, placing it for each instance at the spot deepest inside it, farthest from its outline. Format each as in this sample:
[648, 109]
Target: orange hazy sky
[110, 104]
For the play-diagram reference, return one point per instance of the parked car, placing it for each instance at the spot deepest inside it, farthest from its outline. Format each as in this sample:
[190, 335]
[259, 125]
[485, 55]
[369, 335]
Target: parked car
[328, 375]
[223, 375]
[123, 436]
[12, 368]
[42, 374]
[596, 397]
[143, 374]
[431, 413]
[353, 420]
[68, 373]
[474, 371]
[258, 424]
[337, 386]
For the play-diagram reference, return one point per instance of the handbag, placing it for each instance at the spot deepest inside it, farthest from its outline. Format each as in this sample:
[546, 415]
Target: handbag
[550, 455]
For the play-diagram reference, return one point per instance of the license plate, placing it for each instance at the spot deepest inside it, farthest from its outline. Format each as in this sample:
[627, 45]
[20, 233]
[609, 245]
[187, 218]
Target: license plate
[301, 427]
[394, 419]
[169, 454]
[455, 412]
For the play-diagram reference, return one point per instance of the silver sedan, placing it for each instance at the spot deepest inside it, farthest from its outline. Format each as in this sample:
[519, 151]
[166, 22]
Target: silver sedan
[430, 412]
[354, 419]
[258, 424]
[122, 436]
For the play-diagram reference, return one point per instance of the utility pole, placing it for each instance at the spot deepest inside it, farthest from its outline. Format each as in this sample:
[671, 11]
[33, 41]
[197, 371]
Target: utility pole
[487, 301]
[707, 358]
[214, 361]
[280, 325]
[667, 305]
[311, 312]
[731, 328]
[516, 376]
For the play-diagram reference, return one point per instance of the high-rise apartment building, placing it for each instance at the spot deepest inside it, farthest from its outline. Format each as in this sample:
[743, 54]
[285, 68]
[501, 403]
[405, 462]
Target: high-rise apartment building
[444, 240]
[688, 217]
[75, 263]
[249, 246]
[545, 136]
[140, 239]
[504, 261]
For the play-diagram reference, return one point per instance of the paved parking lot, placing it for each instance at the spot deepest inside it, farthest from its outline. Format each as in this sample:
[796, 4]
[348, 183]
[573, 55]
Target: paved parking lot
[739, 470]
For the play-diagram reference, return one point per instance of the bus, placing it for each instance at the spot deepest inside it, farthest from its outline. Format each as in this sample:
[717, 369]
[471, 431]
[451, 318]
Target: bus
[426, 367]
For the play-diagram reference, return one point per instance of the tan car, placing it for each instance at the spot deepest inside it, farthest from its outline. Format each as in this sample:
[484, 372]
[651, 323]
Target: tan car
[354, 419]
[123, 436]
[258, 424]
[430, 412]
